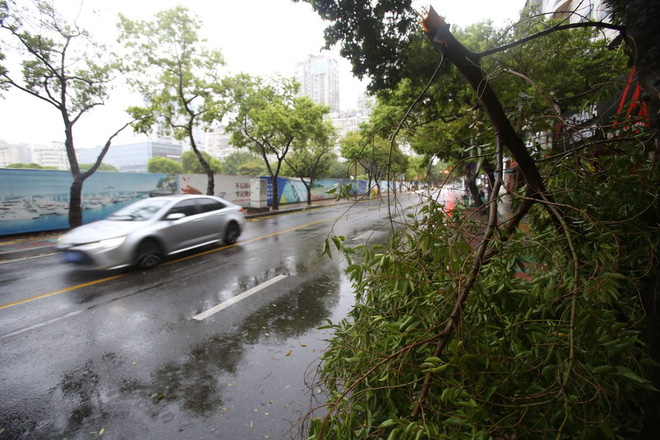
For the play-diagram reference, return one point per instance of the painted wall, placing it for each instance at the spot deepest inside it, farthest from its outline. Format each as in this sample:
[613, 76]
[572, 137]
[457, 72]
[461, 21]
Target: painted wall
[38, 200]
[292, 190]
[235, 189]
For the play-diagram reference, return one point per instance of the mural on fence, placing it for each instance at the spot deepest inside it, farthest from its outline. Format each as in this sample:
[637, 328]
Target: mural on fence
[292, 190]
[38, 200]
[235, 189]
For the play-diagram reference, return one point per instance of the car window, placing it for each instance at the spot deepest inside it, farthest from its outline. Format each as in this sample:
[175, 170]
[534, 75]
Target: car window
[208, 205]
[187, 207]
[138, 211]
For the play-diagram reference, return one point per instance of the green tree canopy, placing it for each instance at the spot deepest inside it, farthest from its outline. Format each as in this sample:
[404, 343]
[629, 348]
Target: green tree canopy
[375, 36]
[270, 119]
[63, 66]
[177, 75]
[337, 169]
[161, 164]
[244, 163]
[310, 159]
[541, 323]
[34, 166]
[102, 167]
[378, 157]
[191, 165]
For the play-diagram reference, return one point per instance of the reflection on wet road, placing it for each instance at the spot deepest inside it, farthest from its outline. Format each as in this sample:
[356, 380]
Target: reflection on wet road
[125, 359]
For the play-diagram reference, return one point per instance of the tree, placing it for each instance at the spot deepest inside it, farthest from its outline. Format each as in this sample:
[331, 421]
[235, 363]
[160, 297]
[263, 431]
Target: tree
[311, 159]
[269, 119]
[336, 169]
[377, 157]
[64, 67]
[243, 163]
[166, 165]
[102, 167]
[177, 75]
[486, 329]
[34, 166]
[372, 35]
[422, 169]
[191, 165]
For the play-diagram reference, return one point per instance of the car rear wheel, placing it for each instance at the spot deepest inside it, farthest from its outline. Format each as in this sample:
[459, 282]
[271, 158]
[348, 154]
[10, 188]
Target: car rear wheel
[149, 254]
[232, 233]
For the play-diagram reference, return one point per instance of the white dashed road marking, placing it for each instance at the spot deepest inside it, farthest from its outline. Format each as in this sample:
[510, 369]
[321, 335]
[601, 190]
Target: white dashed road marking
[202, 316]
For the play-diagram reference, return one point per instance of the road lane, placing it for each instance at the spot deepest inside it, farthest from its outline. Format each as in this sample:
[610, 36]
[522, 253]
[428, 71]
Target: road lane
[126, 356]
[196, 254]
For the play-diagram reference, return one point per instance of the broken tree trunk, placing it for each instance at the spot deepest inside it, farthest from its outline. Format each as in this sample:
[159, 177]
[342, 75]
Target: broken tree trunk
[468, 65]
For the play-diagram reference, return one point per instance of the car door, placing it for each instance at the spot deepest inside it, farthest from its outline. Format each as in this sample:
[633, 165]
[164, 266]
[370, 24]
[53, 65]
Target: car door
[183, 233]
[213, 212]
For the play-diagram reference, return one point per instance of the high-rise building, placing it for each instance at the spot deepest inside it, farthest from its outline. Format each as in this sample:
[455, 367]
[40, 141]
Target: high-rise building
[14, 153]
[318, 76]
[53, 155]
[218, 144]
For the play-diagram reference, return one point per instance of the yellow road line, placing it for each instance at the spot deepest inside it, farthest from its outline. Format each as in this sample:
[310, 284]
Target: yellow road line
[103, 280]
[57, 292]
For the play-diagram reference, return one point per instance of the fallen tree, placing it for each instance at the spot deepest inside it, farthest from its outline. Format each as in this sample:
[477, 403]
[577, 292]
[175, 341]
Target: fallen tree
[466, 329]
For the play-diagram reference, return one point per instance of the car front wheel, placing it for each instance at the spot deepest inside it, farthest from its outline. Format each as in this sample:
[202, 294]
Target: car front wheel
[149, 254]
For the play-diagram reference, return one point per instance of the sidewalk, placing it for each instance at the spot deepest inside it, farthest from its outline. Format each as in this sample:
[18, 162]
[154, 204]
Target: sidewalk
[28, 245]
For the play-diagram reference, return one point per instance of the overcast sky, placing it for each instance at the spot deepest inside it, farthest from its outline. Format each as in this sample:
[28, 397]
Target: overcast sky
[260, 37]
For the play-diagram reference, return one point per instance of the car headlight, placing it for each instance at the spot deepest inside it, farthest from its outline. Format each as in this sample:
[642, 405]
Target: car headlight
[64, 239]
[107, 244]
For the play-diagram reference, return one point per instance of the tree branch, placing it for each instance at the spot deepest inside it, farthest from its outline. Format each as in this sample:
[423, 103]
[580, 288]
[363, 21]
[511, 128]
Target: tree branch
[105, 149]
[468, 65]
[477, 264]
[557, 28]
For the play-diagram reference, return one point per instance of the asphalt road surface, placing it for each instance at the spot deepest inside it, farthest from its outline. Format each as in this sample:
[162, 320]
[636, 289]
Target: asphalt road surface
[223, 343]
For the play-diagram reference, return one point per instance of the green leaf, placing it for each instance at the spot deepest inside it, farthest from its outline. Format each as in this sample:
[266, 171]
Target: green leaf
[386, 424]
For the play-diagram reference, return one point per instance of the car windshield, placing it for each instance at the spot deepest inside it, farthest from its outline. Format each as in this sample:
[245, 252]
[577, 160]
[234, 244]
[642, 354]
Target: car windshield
[139, 211]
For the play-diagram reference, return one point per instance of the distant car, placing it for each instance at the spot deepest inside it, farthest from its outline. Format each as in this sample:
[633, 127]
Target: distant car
[143, 233]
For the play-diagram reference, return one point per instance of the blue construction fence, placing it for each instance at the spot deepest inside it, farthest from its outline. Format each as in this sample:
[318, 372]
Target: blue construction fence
[38, 200]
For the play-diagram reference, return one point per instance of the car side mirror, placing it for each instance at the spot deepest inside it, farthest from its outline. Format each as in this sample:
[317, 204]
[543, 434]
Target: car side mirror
[175, 216]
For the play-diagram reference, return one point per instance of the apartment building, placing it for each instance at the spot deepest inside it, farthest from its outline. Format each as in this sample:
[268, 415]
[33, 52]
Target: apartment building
[318, 76]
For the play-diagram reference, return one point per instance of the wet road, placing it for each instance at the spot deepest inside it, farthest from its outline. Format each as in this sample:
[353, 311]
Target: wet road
[147, 354]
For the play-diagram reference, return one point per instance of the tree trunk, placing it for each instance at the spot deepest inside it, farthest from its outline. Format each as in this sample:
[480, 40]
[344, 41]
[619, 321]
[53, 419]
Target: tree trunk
[468, 65]
[210, 182]
[75, 192]
[275, 205]
[309, 188]
[75, 201]
[474, 191]
[490, 172]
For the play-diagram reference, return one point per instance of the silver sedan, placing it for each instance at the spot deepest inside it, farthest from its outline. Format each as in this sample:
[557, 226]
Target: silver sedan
[143, 233]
